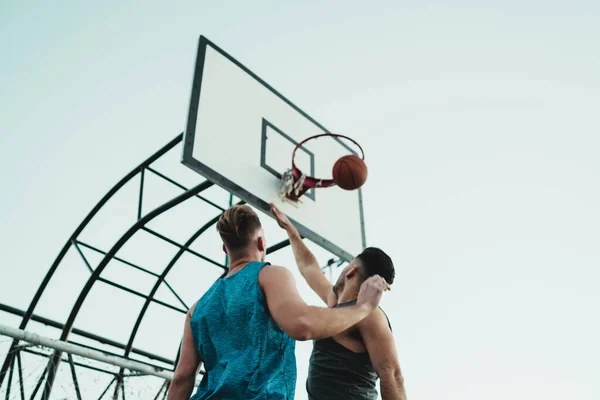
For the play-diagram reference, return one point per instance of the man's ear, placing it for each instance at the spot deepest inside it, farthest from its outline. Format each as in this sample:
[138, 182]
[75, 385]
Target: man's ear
[262, 244]
[225, 249]
[353, 271]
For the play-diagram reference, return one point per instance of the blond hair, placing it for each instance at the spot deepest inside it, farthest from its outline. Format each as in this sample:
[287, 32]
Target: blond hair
[236, 226]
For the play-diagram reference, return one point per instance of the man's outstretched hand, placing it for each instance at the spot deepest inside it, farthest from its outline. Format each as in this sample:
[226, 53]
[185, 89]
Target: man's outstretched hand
[282, 219]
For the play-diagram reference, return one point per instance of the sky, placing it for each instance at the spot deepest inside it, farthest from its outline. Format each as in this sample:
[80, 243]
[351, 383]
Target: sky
[479, 121]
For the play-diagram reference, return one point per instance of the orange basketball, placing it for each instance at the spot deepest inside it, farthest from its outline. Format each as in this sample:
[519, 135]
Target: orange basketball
[350, 172]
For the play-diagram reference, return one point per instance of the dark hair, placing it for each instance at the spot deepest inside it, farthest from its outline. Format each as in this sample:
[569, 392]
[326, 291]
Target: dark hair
[236, 225]
[375, 262]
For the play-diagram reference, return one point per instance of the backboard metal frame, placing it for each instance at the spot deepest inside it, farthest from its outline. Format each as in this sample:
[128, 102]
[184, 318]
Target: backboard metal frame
[215, 177]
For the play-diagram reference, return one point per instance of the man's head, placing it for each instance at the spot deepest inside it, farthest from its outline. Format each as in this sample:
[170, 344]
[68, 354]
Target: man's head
[372, 261]
[242, 233]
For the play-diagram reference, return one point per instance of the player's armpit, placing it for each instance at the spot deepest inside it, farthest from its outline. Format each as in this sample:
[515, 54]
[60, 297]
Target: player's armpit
[381, 347]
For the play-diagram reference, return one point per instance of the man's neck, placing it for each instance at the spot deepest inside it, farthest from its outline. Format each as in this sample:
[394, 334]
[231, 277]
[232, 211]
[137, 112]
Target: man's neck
[240, 262]
[348, 294]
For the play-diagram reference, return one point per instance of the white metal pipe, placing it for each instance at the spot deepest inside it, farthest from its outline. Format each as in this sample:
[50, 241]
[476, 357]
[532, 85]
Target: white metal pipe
[97, 355]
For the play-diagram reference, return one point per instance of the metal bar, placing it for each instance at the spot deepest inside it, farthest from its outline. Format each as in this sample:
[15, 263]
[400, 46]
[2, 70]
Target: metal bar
[329, 269]
[80, 332]
[278, 246]
[184, 188]
[21, 383]
[185, 248]
[10, 376]
[116, 247]
[227, 255]
[106, 371]
[66, 347]
[176, 295]
[76, 233]
[55, 360]
[39, 384]
[77, 364]
[117, 355]
[123, 390]
[118, 386]
[87, 264]
[136, 375]
[108, 387]
[162, 387]
[168, 385]
[119, 259]
[139, 214]
[136, 293]
[163, 276]
[74, 375]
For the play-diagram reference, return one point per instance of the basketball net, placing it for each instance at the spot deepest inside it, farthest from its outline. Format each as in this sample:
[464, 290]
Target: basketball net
[291, 189]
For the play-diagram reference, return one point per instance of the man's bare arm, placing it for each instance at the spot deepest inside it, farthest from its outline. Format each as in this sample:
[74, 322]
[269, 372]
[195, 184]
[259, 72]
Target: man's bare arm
[380, 345]
[305, 259]
[182, 385]
[303, 322]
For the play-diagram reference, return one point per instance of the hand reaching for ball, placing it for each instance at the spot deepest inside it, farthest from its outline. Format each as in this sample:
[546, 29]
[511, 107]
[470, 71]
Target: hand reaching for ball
[282, 219]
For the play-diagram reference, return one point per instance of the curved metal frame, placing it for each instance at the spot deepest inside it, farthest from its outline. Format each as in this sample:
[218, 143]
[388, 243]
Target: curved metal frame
[53, 365]
[36, 298]
[13, 359]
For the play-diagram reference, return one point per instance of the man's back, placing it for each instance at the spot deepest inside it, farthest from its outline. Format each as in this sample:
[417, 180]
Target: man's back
[245, 353]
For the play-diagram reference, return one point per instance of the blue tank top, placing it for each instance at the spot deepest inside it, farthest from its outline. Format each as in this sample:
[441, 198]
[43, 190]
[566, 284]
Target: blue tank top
[245, 353]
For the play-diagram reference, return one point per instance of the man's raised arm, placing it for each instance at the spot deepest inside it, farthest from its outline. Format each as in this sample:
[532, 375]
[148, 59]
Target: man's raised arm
[305, 259]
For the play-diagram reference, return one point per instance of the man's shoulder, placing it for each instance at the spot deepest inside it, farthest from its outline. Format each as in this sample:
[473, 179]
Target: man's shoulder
[376, 320]
[272, 274]
[204, 300]
[274, 270]
[192, 309]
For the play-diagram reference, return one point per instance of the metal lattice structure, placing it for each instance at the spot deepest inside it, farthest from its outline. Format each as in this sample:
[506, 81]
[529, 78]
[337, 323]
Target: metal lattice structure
[113, 258]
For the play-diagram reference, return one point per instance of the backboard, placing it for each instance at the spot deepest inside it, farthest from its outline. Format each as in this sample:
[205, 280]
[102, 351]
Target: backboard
[240, 134]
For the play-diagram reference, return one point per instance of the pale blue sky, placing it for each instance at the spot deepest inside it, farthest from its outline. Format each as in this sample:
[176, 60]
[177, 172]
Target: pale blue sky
[481, 126]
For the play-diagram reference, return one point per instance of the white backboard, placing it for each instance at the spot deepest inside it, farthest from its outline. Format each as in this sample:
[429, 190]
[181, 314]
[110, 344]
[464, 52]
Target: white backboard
[240, 134]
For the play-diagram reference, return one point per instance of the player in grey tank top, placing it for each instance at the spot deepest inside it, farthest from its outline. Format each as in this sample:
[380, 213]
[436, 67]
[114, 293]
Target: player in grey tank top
[244, 328]
[348, 365]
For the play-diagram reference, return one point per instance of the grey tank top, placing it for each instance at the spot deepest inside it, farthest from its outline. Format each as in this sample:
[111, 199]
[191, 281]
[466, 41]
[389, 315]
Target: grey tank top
[336, 372]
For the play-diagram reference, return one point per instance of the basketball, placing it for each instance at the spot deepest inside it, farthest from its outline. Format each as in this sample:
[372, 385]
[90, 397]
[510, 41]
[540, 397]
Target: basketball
[350, 172]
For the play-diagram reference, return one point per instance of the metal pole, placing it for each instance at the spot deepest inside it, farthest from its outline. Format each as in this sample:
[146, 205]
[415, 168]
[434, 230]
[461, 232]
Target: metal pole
[97, 355]
[74, 376]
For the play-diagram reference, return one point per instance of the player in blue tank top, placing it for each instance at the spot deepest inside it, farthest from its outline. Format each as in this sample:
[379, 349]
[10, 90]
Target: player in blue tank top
[244, 328]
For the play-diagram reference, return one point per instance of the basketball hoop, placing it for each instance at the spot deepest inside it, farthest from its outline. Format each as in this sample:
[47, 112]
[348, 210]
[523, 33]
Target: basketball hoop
[294, 183]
